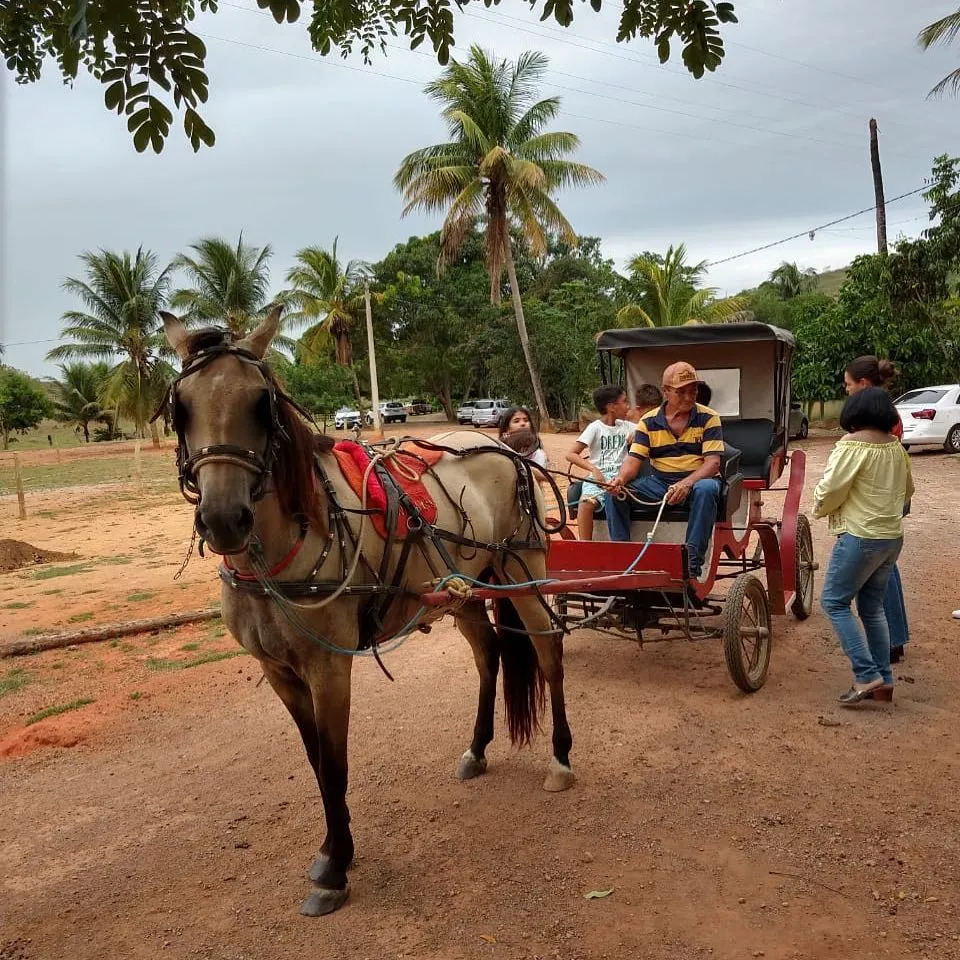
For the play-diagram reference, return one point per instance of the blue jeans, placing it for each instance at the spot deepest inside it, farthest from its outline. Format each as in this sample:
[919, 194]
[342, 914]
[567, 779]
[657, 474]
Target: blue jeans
[861, 569]
[702, 501]
[896, 610]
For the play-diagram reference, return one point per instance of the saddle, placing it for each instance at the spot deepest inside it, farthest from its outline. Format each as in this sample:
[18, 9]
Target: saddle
[405, 469]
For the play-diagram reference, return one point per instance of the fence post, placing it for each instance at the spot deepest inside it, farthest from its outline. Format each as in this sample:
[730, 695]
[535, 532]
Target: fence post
[21, 499]
[138, 468]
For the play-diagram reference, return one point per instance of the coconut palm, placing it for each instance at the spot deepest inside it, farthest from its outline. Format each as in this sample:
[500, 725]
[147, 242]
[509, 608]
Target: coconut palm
[76, 395]
[122, 295]
[500, 166]
[227, 284]
[666, 293]
[790, 281]
[325, 295]
[942, 31]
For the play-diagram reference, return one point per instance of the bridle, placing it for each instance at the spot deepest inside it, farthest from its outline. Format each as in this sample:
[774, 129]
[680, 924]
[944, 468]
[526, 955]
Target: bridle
[259, 463]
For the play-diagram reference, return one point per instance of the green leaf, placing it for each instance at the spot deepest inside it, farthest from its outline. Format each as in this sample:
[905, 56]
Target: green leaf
[142, 137]
[113, 97]
[597, 894]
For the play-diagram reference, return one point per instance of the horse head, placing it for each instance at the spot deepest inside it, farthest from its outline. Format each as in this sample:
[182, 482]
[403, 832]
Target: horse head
[225, 410]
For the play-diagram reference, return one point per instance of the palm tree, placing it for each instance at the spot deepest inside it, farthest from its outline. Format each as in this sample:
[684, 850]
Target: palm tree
[790, 281]
[76, 395]
[122, 295]
[326, 297]
[500, 165]
[943, 31]
[228, 284]
[667, 293]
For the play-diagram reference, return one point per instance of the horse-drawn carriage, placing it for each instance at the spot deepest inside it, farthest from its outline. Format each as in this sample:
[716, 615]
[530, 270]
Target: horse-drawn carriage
[643, 588]
[333, 551]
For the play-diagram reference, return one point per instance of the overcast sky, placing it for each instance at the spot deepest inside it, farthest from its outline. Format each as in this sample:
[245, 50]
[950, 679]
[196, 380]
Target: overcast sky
[773, 144]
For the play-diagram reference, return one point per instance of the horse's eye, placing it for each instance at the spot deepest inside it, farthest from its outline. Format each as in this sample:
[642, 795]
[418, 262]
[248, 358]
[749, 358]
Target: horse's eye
[180, 415]
[264, 412]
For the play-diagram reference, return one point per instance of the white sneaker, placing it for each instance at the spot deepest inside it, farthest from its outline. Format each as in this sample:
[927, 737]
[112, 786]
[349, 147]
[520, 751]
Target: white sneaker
[956, 614]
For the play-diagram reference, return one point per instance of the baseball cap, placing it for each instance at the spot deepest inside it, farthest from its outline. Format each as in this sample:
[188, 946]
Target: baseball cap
[680, 374]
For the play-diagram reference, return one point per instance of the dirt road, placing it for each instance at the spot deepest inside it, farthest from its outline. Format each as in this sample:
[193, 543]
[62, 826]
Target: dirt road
[175, 814]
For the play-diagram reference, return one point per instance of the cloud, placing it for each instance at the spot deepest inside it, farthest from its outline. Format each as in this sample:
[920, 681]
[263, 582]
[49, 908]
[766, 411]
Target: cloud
[774, 143]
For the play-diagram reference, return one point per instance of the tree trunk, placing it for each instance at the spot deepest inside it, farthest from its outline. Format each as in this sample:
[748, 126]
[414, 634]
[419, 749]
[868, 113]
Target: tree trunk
[878, 189]
[447, 403]
[155, 434]
[525, 340]
[356, 387]
[6, 439]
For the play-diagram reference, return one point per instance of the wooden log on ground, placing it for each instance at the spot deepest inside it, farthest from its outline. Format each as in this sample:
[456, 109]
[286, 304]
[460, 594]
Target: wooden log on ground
[22, 646]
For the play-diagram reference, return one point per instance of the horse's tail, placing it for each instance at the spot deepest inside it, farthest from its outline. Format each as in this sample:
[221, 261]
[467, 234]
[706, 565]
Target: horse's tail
[523, 681]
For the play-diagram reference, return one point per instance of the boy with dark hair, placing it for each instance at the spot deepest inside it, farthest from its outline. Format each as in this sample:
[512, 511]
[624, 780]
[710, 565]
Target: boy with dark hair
[648, 397]
[605, 442]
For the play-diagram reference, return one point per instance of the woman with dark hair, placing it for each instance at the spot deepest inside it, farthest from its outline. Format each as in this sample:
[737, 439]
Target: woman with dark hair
[869, 371]
[864, 489]
[516, 430]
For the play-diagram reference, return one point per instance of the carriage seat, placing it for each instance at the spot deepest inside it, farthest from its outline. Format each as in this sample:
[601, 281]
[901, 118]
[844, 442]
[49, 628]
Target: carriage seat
[731, 492]
[757, 442]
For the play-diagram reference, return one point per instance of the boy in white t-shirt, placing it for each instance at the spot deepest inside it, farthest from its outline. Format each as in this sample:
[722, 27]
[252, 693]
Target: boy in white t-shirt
[605, 441]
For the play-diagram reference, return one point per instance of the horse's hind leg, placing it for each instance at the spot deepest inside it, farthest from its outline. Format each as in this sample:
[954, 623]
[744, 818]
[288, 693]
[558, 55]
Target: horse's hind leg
[473, 623]
[548, 643]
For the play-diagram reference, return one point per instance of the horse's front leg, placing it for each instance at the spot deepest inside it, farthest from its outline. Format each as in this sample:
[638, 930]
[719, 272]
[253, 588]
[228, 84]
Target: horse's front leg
[328, 677]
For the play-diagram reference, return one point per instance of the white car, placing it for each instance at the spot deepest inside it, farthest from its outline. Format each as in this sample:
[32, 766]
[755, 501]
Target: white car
[392, 411]
[346, 418]
[931, 416]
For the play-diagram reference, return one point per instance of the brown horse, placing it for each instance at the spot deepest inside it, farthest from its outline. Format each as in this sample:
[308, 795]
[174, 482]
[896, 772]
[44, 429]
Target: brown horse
[305, 589]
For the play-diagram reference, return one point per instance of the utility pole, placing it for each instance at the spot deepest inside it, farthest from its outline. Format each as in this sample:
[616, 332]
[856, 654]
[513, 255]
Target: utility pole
[374, 385]
[878, 189]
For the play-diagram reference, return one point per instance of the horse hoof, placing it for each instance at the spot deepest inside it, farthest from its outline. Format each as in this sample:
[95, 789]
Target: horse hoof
[471, 766]
[559, 778]
[323, 901]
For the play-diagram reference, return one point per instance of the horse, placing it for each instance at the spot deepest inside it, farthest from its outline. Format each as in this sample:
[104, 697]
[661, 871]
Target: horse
[308, 583]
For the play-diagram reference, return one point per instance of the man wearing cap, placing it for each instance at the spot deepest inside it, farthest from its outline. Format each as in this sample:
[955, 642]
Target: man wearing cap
[683, 441]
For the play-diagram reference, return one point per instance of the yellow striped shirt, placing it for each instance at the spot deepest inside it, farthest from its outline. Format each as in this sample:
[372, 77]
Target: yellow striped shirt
[678, 456]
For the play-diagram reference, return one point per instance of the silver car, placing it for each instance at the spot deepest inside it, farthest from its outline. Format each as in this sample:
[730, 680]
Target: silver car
[487, 413]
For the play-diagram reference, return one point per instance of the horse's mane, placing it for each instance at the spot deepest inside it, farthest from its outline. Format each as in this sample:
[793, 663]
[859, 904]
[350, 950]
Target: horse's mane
[293, 471]
[293, 468]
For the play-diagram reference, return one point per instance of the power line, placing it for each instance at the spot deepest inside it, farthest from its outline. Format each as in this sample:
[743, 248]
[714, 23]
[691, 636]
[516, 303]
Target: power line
[806, 233]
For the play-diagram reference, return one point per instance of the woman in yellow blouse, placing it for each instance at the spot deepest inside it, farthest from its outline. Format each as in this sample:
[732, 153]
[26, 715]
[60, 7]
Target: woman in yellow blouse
[863, 491]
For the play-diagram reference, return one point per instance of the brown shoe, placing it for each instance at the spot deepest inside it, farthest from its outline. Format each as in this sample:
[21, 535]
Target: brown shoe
[884, 693]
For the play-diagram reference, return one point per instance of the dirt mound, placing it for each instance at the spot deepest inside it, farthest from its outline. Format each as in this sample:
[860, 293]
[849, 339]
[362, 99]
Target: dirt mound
[15, 554]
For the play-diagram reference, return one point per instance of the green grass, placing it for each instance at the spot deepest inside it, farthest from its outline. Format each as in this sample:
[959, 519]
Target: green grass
[33, 631]
[157, 468]
[116, 561]
[137, 596]
[51, 573]
[47, 514]
[136, 695]
[13, 681]
[56, 711]
[190, 646]
[161, 666]
[831, 281]
[81, 617]
[19, 605]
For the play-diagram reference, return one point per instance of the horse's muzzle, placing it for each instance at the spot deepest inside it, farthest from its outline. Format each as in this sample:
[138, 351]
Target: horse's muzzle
[226, 530]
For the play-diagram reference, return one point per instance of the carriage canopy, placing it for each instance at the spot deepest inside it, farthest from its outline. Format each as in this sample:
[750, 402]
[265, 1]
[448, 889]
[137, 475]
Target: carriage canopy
[746, 365]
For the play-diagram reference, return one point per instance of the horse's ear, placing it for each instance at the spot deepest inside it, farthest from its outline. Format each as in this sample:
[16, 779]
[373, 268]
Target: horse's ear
[258, 341]
[177, 334]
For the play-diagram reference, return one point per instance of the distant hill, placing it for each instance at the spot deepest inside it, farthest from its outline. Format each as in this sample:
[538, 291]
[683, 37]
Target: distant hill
[830, 281]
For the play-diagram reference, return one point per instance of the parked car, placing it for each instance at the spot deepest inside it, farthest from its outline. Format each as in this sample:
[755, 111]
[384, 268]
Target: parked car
[418, 407]
[487, 413]
[346, 418]
[931, 415]
[392, 411]
[799, 424]
[465, 412]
